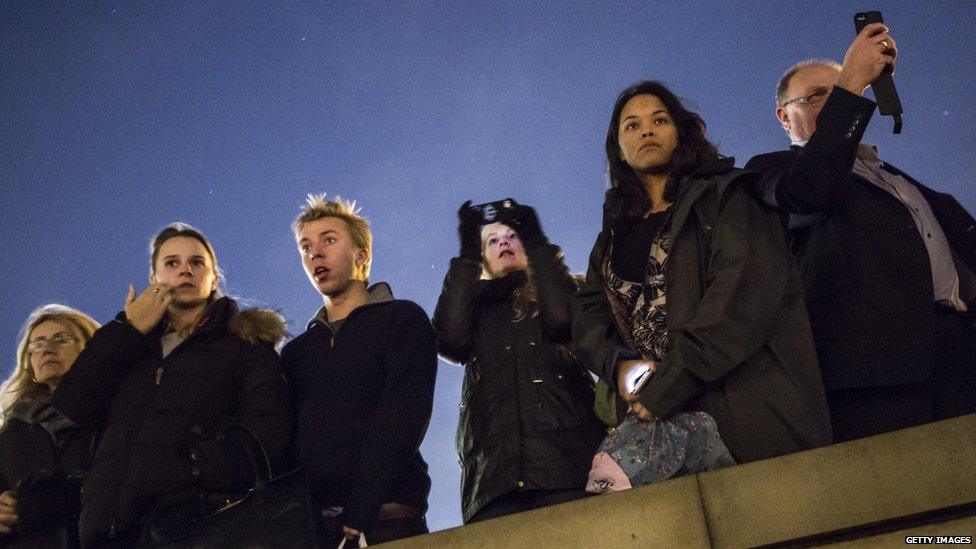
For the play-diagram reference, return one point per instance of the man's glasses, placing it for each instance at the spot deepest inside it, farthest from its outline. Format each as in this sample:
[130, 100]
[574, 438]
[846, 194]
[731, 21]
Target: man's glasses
[814, 98]
[55, 342]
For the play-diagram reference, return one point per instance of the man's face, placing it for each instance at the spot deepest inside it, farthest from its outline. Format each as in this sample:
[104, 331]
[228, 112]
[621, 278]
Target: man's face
[331, 258]
[800, 119]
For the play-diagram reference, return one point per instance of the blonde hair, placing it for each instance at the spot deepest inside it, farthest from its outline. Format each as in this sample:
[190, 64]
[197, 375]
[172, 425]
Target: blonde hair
[317, 207]
[525, 298]
[20, 386]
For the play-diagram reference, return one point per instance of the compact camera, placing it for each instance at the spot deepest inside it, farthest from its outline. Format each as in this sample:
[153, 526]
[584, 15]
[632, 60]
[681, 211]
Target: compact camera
[500, 210]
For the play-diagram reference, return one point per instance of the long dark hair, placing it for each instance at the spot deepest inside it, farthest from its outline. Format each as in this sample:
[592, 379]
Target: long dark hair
[692, 152]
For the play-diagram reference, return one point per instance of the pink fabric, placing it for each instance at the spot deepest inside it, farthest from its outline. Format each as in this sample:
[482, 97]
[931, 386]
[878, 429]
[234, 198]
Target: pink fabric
[606, 475]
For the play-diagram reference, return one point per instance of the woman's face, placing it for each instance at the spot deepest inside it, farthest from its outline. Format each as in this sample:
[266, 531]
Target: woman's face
[184, 265]
[502, 250]
[53, 346]
[647, 135]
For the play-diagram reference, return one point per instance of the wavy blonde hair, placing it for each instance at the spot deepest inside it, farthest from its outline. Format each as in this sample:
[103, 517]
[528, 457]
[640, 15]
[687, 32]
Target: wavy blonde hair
[20, 386]
[526, 300]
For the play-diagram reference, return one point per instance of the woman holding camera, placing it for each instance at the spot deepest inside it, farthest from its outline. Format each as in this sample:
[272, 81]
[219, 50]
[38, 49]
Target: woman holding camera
[43, 456]
[527, 431]
[691, 279]
[161, 382]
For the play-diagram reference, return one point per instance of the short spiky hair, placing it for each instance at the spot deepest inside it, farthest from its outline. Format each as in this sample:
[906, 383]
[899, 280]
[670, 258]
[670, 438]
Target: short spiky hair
[317, 207]
[784, 81]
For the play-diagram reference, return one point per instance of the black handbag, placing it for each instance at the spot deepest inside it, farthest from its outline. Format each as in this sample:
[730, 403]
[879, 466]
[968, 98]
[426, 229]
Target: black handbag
[276, 512]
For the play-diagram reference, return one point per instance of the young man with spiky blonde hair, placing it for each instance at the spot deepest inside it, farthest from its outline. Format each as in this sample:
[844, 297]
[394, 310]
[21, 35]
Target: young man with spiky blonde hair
[362, 384]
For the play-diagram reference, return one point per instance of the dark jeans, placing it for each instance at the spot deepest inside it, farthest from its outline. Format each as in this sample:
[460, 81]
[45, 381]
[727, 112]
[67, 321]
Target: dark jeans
[526, 500]
[382, 532]
[863, 412]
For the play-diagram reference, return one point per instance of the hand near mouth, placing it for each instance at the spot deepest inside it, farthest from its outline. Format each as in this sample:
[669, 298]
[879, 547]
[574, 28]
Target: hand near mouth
[145, 312]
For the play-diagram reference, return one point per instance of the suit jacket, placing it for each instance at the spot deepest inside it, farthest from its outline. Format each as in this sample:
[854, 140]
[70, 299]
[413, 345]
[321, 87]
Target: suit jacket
[865, 268]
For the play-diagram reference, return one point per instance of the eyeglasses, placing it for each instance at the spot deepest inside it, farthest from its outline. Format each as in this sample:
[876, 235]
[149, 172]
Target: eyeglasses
[55, 342]
[814, 98]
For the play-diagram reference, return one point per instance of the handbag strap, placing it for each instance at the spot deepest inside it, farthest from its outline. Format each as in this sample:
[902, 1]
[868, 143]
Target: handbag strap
[361, 541]
[256, 454]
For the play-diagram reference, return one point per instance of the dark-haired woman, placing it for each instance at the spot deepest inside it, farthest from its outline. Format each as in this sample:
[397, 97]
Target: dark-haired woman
[43, 456]
[161, 382]
[527, 431]
[691, 279]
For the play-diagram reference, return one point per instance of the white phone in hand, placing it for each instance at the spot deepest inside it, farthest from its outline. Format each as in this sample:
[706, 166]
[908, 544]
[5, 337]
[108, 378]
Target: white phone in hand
[638, 378]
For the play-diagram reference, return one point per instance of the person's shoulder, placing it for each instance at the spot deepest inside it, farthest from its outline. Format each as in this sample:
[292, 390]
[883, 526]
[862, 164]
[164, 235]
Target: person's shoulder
[296, 343]
[764, 161]
[404, 308]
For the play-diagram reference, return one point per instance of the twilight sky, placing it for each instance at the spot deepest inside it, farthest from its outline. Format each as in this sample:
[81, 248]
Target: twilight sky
[119, 117]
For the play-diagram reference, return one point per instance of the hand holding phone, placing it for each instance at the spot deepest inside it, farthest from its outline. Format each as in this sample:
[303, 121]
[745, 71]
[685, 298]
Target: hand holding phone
[883, 86]
[632, 376]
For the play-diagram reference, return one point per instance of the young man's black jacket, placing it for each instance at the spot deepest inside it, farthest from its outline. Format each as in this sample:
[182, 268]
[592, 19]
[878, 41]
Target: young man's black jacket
[160, 417]
[363, 396]
[741, 347]
[526, 413]
[45, 475]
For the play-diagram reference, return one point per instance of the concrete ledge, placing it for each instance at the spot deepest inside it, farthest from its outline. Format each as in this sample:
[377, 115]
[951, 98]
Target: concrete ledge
[845, 491]
[663, 515]
[866, 481]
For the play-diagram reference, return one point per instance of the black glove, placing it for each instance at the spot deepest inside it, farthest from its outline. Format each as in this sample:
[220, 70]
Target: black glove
[526, 224]
[469, 229]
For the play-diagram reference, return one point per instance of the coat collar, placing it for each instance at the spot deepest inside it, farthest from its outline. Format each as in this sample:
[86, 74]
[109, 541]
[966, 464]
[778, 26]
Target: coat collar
[500, 289]
[690, 190]
[375, 295]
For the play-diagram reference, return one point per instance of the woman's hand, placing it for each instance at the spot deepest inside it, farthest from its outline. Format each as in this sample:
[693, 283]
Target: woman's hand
[145, 312]
[526, 224]
[350, 533]
[8, 512]
[469, 229]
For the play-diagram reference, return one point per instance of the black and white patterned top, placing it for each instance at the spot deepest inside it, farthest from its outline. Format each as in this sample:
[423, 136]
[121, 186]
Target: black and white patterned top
[643, 304]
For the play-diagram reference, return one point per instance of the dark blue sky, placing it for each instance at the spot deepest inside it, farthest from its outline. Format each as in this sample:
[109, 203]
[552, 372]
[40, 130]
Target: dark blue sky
[119, 117]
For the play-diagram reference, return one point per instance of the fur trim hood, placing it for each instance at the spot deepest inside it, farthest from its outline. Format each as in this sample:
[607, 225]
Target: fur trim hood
[258, 325]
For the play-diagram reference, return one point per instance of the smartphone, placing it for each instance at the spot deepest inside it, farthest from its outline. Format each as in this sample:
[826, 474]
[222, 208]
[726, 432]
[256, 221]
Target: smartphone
[864, 19]
[638, 379]
[885, 93]
[499, 210]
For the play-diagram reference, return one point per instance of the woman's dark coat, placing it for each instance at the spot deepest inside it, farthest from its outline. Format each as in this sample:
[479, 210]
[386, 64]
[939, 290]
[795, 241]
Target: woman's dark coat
[50, 474]
[160, 417]
[526, 413]
[741, 344]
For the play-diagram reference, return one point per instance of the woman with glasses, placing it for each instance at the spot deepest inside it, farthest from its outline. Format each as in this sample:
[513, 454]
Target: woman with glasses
[162, 381]
[42, 455]
[527, 431]
[691, 283]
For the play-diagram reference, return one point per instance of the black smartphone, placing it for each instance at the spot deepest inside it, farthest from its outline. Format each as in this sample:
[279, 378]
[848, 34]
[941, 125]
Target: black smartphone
[499, 210]
[883, 87]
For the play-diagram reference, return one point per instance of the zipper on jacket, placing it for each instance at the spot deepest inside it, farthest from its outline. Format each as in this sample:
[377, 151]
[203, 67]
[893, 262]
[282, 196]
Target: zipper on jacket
[159, 374]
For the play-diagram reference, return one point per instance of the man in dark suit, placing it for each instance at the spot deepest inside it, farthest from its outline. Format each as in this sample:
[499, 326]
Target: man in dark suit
[888, 264]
